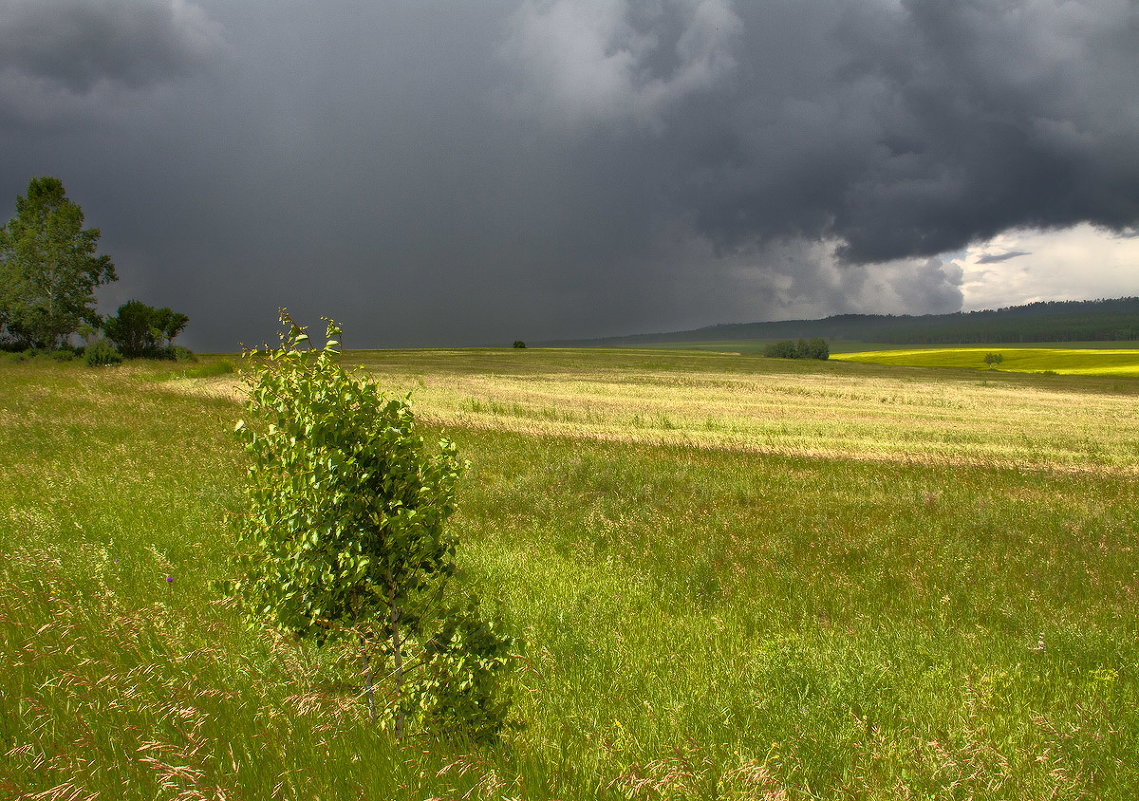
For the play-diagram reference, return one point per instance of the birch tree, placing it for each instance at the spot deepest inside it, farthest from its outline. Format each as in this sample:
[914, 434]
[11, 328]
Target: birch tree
[49, 268]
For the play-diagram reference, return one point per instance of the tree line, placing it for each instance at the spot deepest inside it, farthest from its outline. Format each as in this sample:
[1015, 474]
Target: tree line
[1104, 320]
[49, 270]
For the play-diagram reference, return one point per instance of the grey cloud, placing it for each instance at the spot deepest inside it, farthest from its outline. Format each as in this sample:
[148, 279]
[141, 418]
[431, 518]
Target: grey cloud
[585, 62]
[77, 45]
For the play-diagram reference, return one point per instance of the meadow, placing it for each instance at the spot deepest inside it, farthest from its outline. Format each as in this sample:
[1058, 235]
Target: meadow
[733, 577]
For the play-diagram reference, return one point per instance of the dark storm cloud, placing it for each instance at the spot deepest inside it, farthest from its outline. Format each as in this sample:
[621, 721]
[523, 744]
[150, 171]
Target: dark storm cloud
[454, 173]
[61, 60]
[897, 131]
[913, 128]
[998, 258]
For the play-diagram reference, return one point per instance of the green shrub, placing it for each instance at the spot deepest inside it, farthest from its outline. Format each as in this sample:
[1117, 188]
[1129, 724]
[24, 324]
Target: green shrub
[343, 536]
[101, 353]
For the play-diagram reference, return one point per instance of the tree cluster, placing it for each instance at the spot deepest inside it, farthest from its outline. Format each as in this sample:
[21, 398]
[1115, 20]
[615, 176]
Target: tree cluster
[803, 349]
[141, 330]
[49, 271]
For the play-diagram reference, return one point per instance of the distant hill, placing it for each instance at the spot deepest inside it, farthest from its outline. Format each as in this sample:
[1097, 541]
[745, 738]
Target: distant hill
[1046, 321]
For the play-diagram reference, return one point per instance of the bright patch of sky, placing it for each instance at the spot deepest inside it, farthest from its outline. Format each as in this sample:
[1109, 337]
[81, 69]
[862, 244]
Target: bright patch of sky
[1079, 263]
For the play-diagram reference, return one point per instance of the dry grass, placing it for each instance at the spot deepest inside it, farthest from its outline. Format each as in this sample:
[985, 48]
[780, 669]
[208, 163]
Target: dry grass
[903, 416]
[747, 405]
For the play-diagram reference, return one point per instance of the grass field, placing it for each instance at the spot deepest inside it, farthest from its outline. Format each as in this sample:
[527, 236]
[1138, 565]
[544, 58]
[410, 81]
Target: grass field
[745, 403]
[735, 578]
[1122, 362]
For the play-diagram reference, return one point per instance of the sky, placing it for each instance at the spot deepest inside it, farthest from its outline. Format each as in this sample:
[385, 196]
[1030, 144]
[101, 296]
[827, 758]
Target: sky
[435, 173]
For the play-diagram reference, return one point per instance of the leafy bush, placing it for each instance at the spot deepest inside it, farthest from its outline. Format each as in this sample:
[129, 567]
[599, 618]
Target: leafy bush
[518, 343]
[343, 537]
[101, 353]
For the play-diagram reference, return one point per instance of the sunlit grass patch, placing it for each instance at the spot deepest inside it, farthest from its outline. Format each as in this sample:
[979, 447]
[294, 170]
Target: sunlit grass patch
[835, 611]
[756, 405]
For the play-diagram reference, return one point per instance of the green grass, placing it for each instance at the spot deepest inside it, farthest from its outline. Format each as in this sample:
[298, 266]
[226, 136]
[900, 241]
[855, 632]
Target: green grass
[704, 616]
[1122, 362]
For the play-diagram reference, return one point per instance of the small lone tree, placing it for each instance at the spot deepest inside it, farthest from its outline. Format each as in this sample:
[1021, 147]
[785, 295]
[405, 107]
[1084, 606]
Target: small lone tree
[993, 359]
[343, 535]
[48, 268]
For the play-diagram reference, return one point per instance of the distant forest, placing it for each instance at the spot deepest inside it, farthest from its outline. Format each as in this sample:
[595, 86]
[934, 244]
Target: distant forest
[1046, 321]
